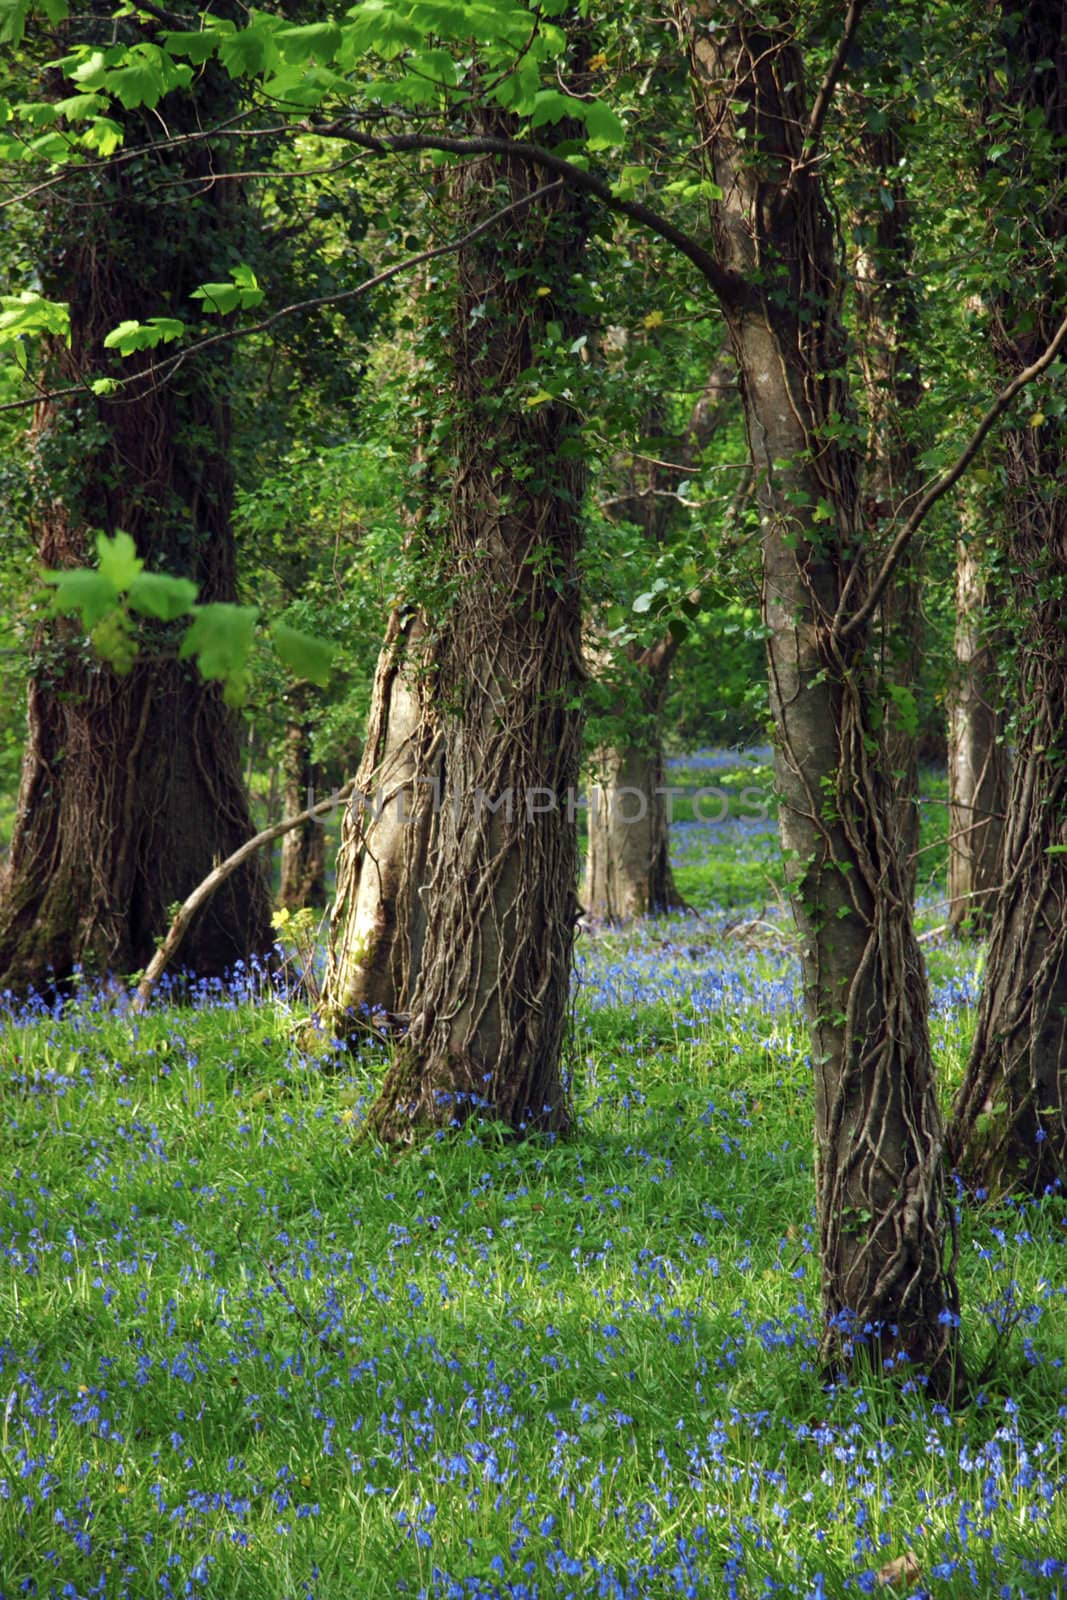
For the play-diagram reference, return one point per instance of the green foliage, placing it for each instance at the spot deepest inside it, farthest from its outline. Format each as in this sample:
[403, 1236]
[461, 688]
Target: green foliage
[304, 655]
[220, 637]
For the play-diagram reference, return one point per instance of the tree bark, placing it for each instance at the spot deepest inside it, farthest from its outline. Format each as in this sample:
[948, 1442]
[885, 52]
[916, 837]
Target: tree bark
[888, 1283]
[491, 998]
[304, 849]
[378, 922]
[979, 762]
[1009, 1128]
[888, 325]
[131, 786]
[628, 869]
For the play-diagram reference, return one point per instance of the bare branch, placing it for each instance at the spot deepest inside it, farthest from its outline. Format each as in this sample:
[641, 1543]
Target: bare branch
[204, 891]
[160, 370]
[844, 627]
[821, 104]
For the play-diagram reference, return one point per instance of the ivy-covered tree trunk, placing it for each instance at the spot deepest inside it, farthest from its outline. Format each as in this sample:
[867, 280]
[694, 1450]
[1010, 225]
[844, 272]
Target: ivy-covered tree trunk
[979, 761]
[887, 1274]
[377, 923]
[131, 786]
[888, 335]
[1009, 1129]
[628, 869]
[491, 999]
[303, 880]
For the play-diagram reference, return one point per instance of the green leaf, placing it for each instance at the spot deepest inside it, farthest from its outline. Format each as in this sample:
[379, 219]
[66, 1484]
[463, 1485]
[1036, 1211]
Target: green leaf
[102, 135]
[198, 46]
[643, 603]
[220, 637]
[84, 590]
[605, 129]
[251, 51]
[552, 106]
[305, 655]
[241, 294]
[157, 594]
[30, 313]
[13, 20]
[319, 39]
[119, 561]
[129, 337]
[147, 74]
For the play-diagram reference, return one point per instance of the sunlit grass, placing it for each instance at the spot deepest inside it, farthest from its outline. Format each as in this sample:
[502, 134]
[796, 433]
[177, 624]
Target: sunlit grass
[245, 1355]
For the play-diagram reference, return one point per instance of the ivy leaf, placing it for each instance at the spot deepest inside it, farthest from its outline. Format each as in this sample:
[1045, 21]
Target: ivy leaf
[119, 561]
[157, 594]
[84, 590]
[304, 654]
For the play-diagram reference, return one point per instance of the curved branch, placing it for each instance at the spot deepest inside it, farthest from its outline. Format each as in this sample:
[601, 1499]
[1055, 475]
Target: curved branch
[215, 878]
[845, 627]
[166, 368]
[727, 285]
[821, 104]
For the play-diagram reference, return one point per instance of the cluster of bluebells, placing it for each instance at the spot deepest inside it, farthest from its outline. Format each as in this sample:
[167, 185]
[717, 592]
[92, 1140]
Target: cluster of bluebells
[239, 1357]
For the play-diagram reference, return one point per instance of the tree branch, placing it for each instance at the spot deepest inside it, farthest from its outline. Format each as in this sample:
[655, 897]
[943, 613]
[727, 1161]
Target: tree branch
[726, 285]
[215, 878]
[821, 104]
[166, 368]
[845, 627]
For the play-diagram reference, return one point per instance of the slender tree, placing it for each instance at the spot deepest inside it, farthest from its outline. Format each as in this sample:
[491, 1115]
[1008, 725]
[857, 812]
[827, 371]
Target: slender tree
[303, 881]
[1009, 1127]
[887, 1272]
[131, 785]
[628, 871]
[979, 760]
[888, 339]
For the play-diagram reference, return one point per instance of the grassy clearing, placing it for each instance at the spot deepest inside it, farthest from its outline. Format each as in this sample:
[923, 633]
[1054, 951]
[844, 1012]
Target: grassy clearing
[244, 1355]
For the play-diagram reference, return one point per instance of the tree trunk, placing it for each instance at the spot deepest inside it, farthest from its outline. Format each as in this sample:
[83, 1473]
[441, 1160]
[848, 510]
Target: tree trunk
[888, 327]
[628, 870]
[886, 1284]
[377, 923]
[1009, 1128]
[304, 850]
[491, 998]
[131, 786]
[979, 763]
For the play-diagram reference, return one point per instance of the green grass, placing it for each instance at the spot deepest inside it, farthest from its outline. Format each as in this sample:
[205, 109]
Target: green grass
[245, 1355]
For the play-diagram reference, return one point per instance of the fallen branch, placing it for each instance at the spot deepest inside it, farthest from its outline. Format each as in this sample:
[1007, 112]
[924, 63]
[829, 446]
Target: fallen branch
[217, 876]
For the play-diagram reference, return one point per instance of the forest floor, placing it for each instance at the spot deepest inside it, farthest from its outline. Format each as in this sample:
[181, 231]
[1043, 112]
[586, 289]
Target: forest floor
[245, 1356]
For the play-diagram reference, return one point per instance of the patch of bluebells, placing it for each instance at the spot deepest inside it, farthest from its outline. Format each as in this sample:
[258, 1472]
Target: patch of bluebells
[517, 1375]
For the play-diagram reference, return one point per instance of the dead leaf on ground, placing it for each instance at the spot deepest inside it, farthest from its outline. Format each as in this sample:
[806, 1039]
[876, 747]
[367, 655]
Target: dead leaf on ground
[904, 1570]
